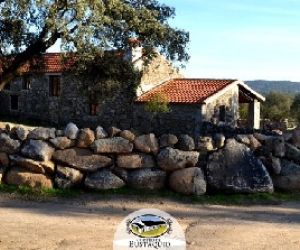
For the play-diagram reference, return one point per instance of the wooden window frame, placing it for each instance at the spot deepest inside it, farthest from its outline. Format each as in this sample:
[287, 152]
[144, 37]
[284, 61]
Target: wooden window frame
[26, 82]
[94, 108]
[54, 85]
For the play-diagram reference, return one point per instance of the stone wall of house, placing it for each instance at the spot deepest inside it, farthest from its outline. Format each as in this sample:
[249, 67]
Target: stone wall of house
[179, 120]
[157, 72]
[110, 159]
[71, 104]
[230, 100]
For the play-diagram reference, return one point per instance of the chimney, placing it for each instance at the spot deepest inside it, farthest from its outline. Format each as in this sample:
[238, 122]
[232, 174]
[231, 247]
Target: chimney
[134, 53]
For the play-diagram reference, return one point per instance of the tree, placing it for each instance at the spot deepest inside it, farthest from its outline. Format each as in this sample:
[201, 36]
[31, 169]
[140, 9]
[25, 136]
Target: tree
[295, 108]
[277, 106]
[28, 28]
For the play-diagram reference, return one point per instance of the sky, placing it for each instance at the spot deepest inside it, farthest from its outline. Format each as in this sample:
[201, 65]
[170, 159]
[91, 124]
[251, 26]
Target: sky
[241, 39]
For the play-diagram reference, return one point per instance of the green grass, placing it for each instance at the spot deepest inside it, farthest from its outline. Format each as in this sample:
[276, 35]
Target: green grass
[144, 195]
[38, 192]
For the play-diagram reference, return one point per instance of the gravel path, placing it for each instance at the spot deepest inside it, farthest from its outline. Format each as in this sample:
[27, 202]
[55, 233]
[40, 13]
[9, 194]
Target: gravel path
[90, 222]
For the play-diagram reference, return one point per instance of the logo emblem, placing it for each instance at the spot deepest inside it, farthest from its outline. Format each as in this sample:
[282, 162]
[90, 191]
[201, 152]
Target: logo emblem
[149, 226]
[149, 229]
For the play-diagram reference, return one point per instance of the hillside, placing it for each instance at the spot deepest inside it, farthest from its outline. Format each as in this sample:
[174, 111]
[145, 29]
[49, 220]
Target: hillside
[263, 86]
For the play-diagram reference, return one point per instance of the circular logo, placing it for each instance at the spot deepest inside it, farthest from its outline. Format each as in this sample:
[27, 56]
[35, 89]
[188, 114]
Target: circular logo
[149, 229]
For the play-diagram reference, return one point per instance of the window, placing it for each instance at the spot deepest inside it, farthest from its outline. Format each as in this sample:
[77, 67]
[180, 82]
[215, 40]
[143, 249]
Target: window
[93, 109]
[222, 113]
[54, 85]
[26, 82]
[14, 102]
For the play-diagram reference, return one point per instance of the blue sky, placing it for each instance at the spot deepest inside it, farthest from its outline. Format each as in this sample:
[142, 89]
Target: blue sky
[243, 39]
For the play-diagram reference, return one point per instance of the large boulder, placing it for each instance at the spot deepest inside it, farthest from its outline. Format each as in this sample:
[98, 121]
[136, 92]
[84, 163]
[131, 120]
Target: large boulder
[147, 178]
[62, 142]
[103, 179]
[42, 133]
[121, 173]
[8, 145]
[81, 159]
[41, 167]
[37, 150]
[279, 147]
[274, 145]
[254, 143]
[147, 143]
[112, 145]
[100, 133]
[4, 160]
[235, 169]
[289, 177]
[114, 131]
[132, 161]
[292, 153]
[21, 177]
[296, 137]
[21, 133]
[67, 177]
[167, 140]
[249, 140]
[71, 131]
[276, 165]
[189, 181]
[170, 159]
[205, 144]
[128, 135]
[219, 140]
[86, 138]
[243, 139]
[186, 143]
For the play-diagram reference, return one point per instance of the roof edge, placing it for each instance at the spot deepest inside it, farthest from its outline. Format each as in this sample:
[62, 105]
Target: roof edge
[258, 96]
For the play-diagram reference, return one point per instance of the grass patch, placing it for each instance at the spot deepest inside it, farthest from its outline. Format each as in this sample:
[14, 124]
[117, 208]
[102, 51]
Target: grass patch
[144, 195]
[38, 192]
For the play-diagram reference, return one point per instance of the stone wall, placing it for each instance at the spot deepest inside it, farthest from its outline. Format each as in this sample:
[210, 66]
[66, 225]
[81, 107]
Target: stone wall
[157, 72]
[101, 160]
[180, 120]
[230, 100]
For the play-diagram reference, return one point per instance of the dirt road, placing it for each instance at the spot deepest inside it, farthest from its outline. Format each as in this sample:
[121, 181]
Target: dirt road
[90, 222]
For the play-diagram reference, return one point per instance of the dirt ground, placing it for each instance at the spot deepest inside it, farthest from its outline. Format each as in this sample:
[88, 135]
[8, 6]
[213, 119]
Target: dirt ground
[90, 223]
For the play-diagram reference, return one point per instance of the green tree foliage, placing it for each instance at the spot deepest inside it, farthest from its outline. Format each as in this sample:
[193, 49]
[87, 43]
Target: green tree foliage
[243, 112]
[106, 77]
[28, 28]
[277, 106]
[158, 104]
[295, 108]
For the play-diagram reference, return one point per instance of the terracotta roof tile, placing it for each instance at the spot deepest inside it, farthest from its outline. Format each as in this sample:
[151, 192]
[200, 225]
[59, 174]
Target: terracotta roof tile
[186, 90]
[47, 63]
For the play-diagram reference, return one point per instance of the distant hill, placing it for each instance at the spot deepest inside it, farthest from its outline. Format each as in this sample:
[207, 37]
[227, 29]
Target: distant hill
[264, 87]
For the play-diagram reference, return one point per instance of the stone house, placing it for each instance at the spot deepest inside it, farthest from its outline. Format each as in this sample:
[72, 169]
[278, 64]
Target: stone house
[194, 101]
[53, 95]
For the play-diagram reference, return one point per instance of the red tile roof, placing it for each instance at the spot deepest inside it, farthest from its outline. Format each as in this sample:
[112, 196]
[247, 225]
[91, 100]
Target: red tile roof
[51, 63]
[48, 63]
[186, 90]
